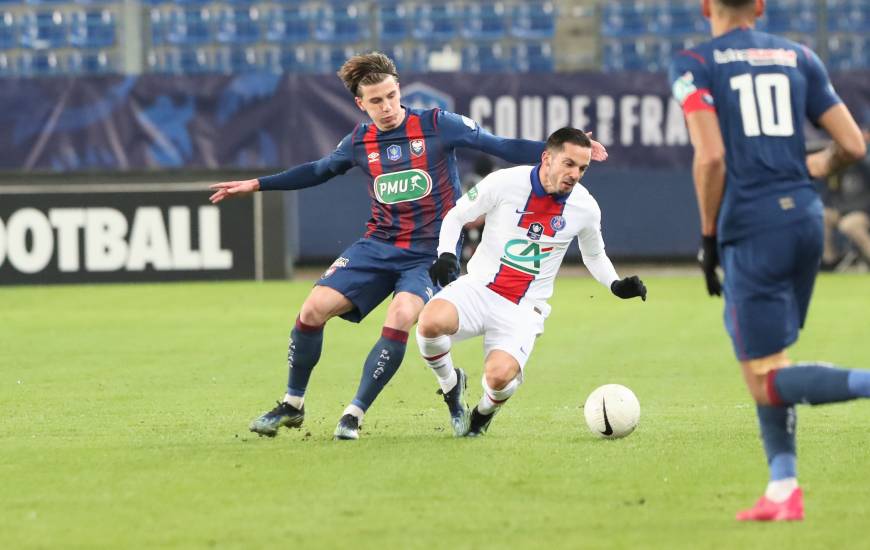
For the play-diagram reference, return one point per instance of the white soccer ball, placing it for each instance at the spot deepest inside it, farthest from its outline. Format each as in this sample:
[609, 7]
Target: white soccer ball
[612, 411]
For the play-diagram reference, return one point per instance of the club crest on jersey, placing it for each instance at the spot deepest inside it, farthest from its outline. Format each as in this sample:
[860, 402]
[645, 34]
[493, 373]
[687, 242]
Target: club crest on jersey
[525, 256]
[535, 231]
[394, 152]
[403, 186]
[338, 263]
[418, 147]
[557, 223]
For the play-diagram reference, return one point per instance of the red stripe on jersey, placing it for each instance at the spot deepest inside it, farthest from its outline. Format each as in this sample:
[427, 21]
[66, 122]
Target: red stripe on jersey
[413, 130]
[511, 283]
[373, 156]
[696, 55]
[541, 209]
[696, 102]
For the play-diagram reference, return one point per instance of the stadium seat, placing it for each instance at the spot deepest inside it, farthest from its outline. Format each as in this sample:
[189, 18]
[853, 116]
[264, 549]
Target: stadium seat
[8, 32]
[298, 60]
[848, 52]
[436, 23]
[340, 24]
[288, 24]
[41, 30]
[676, 18]
[848, 16]
[92, 28]
[485, 20]
[485, 58]
[393, 22]
[534, 57]
[230, 60]
[7, 68]
[89, 62]
[622, 19]
[42, 63]
[534, 20]
[238, 25]
[413, 59]
[188, 27]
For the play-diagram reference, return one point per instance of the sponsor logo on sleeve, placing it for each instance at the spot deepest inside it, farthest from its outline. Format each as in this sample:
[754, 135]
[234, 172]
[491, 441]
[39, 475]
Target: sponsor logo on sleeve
[684, 87]
[473, 194]
[468, 122]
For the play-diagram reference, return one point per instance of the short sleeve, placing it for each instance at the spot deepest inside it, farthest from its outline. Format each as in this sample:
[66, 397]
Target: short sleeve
[689, 76]
[820, 93]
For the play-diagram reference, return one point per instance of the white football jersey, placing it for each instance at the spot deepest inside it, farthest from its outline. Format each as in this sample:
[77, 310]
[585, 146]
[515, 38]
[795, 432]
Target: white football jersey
[527, 234]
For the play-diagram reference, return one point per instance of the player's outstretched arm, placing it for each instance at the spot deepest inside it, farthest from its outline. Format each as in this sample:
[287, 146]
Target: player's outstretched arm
[231, 189]
[848, 145]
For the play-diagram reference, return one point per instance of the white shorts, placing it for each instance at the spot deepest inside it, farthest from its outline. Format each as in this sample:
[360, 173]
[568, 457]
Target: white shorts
[504, 325]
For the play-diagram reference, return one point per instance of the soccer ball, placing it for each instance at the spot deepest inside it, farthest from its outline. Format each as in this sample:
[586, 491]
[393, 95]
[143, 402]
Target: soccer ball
[611, 411]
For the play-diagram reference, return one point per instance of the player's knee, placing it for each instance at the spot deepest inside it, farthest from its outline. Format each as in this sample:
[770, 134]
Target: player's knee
[428, 325]
[852, 224]
[499, 375]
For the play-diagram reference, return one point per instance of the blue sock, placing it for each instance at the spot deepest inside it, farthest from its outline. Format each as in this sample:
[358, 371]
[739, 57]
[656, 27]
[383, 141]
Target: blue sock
[380, 366]
[778, 434]
[817, 383]
[306, 342]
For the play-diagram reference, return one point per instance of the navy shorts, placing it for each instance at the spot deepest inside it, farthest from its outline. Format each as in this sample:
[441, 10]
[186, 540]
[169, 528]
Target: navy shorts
[769, 280]
[368, 271]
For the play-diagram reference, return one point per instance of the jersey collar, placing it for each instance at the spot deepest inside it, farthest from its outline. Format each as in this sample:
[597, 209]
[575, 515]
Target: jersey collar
[538, 187]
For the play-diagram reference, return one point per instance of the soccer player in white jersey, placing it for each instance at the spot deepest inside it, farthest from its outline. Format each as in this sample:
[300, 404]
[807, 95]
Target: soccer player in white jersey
[532, 215]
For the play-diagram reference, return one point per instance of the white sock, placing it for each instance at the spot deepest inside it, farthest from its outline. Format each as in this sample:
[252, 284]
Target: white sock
[294, 400]
[355, 411]
[781, 489]
[436, 353]
[493, 399]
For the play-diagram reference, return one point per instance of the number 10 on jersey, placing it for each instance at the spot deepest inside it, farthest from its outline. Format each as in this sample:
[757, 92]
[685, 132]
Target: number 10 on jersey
[771, 93]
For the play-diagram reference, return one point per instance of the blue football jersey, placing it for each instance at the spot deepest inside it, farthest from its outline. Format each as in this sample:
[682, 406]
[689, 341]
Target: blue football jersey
[761, 88]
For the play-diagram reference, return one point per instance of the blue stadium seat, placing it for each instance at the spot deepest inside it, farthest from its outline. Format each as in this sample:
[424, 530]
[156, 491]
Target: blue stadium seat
[534, 57]
[623, 19]
[413, 59]
[848, 52]
[627, 55]
[534, 20]
[393, 22]
[848, 15]
[436, 23]
[289, 24]
[7, 65]
[341, 24]
[41, 30]
[789, 16]
[188, 27]
[676, 18]
[90, 62]
[486, 58]
[8, 31]
[42, 63]
[230, 60]
[298, 60]
[485, 20]
[92, 28]
[238, 25]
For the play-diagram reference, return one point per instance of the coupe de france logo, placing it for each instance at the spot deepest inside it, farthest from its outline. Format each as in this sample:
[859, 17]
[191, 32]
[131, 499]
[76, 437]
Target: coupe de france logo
[394, 152]
[535, 231]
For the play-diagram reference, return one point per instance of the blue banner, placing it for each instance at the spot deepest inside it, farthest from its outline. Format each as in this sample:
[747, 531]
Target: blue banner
[262, 122]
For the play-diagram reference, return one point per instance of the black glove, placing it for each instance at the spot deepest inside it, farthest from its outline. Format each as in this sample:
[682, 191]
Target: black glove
[444, 270]
[629, 288]
[708, 257]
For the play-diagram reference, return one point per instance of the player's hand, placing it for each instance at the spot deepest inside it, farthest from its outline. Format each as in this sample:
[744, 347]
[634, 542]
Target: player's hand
[230, 189]
[599, 153]
[629, 288]
[708, 257]
[444, 270]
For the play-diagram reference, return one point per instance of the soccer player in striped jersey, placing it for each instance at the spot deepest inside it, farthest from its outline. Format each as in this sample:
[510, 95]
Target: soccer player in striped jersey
[533, 213]
[745, 95]
[409, 158]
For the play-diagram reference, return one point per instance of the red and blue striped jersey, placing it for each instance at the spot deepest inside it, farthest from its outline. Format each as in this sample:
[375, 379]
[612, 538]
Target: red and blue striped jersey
[412, 171]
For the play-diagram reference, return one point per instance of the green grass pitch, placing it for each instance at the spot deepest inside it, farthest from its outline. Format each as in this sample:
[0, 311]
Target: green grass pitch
[125, 411]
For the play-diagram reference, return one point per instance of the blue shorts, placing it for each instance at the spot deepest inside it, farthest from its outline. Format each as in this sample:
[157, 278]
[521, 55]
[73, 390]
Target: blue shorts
[368, 271]
[769, 280]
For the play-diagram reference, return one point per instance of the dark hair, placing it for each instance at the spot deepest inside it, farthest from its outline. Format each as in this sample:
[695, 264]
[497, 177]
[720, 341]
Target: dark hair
[736, 3]
[567, 135]
[364, 69]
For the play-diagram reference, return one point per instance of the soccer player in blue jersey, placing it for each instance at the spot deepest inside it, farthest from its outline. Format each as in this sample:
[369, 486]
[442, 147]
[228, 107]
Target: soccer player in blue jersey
[408, 156]
[745, 95]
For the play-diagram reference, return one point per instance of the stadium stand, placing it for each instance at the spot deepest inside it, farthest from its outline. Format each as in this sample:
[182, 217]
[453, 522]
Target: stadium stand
[50, 37]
